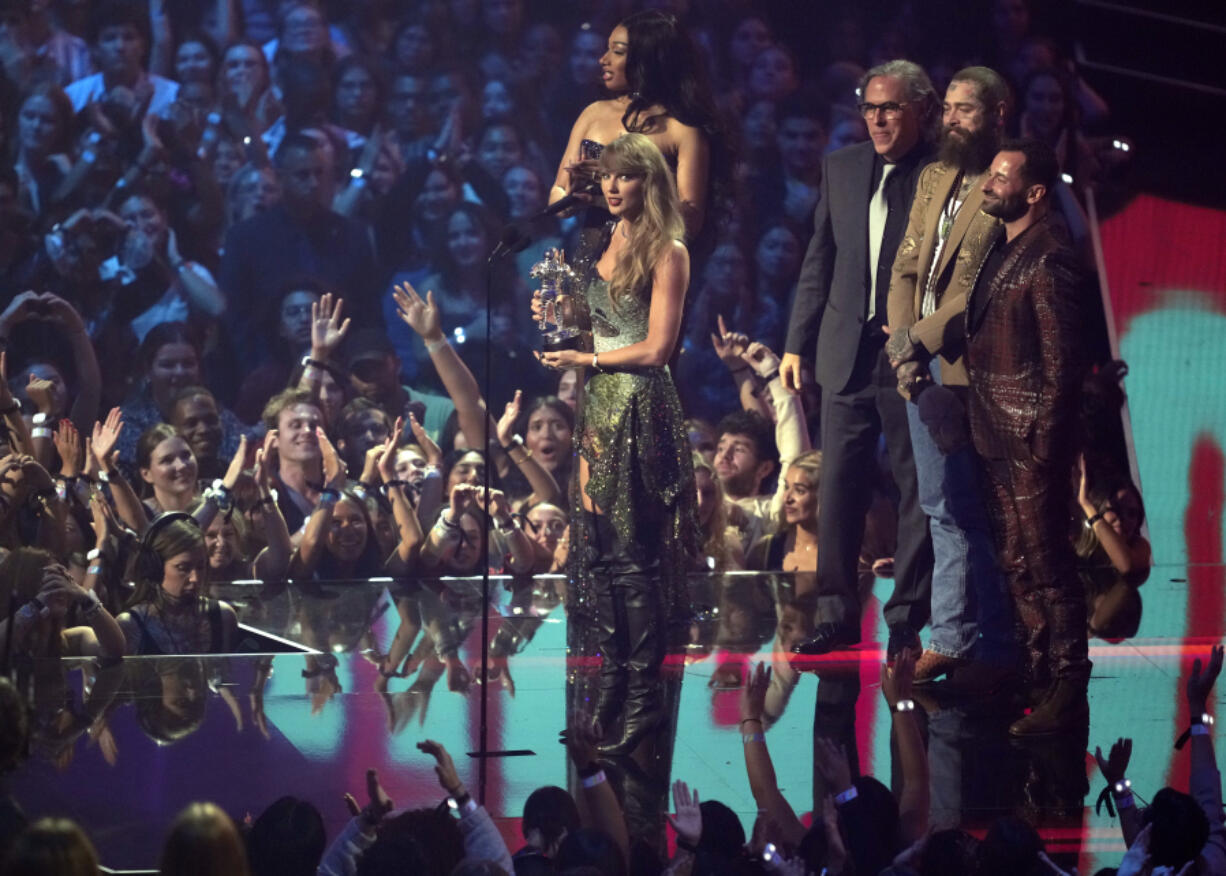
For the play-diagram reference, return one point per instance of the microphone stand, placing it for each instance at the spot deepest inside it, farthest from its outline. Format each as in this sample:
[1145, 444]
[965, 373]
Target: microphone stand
[483, 754]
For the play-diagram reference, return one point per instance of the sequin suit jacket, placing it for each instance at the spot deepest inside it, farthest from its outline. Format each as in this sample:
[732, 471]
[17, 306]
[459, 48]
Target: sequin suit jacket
[1023, 351]
[969, 240]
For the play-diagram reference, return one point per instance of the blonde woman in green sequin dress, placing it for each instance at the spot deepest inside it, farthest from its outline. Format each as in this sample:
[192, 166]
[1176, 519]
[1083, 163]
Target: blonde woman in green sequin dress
[634, 525]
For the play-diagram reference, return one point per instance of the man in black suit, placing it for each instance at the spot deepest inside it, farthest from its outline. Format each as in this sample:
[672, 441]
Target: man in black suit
[840, 309]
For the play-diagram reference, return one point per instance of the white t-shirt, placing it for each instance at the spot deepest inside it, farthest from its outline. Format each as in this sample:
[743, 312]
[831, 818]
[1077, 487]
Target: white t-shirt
[92, 88]
[171, 307]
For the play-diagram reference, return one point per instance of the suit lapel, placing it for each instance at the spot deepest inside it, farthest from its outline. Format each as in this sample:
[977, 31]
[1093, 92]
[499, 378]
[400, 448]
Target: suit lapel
[969, 210]
[932, 220]
[860, 194]
[977, 305]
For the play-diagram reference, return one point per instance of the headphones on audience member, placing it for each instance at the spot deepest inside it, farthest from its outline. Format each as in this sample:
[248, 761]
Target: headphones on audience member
[149, 565]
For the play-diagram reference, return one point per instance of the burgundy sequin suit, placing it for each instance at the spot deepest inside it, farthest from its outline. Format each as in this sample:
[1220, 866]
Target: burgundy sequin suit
[1024, 372]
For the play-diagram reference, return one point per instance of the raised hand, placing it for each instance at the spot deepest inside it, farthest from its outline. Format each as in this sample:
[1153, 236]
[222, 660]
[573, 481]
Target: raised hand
[729, 346]
[387, 453]
[896, 679]
[506, 423]
[462, 497]
[378, 803]
[39, 392]
[235, 469]
[60, 311]
[334, 469]
[687, 816]
[327, 327]
[433, 453]
[21, 308]
[753, 693]
[1115, 766]
[444, 767]
[105, 434]
[68, 445]
[264, 459]
[581, 739]
[494, 503]
[104, 521]
[761, 359]
[422, 316]
[831, 762]
[1200, 685]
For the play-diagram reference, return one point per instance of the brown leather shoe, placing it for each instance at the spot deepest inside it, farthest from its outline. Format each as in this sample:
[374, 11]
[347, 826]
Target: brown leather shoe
[932, 666]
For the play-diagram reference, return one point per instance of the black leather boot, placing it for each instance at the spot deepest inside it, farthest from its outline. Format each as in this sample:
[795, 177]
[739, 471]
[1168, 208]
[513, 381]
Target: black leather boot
[642, 711]
[613, 638]
[1065, 708]
[636, 589]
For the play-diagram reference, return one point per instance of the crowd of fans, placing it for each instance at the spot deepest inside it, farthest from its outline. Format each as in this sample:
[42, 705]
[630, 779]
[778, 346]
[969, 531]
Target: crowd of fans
[243, 255]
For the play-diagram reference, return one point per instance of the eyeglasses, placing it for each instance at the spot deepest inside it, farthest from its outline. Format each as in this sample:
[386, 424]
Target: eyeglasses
[890, 110]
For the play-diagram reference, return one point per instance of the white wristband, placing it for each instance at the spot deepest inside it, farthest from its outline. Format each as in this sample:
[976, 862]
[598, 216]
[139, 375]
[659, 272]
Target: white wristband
[594, 780]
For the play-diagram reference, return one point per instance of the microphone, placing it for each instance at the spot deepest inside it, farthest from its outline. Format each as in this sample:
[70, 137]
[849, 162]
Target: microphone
[516, 236]
[514, 239]
[561, 204]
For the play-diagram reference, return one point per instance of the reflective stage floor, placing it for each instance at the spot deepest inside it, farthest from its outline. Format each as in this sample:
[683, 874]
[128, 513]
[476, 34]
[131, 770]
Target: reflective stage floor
[307, 712]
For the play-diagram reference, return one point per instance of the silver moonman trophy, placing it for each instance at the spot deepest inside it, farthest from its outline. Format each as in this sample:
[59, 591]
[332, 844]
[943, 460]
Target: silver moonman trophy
[557, 281]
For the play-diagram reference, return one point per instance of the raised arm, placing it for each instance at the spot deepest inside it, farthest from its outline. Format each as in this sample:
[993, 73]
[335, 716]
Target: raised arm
[762, 779]
[89, 375]
[422, 316]
[791, 430]
[311, 545]
[1114, 769]
[1204, 779]
[273, 561]
[544, 487]
[603, 811]
[102, 445]
[207, 511]
[407, 524]
[328, 330]
[913, 799]
[482, 841]
[201, 290]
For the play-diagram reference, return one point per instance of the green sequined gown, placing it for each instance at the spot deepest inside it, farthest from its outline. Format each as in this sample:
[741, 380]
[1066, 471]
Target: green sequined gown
[630, 429]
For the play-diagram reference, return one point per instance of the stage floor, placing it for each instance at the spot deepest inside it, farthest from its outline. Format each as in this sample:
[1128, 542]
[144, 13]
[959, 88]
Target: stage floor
[250, 728]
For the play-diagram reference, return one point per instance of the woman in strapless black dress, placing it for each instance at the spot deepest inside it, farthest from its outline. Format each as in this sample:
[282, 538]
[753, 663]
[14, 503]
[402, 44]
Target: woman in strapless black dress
[658, 88]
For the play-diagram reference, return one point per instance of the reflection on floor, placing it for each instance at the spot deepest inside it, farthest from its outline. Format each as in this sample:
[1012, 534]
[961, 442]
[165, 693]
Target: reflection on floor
[243, 730]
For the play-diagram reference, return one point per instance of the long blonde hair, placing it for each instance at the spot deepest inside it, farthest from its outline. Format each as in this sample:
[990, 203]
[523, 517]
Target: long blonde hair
[660, 223]
[715, 533]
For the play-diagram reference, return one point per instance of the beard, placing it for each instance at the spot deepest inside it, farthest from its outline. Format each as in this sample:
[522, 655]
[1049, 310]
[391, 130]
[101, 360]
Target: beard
[971, 153]
[1008, 209]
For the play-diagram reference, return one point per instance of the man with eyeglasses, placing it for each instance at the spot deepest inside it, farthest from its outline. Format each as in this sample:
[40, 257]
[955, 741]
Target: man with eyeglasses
[946, 243]
[839, 311]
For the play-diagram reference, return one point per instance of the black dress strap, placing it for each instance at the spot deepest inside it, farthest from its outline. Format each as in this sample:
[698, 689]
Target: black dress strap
[213, 610]
[775, 549]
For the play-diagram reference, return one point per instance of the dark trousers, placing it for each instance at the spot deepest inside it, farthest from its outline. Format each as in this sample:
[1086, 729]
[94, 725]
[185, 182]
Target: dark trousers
[1028, 504]
[852, 421]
